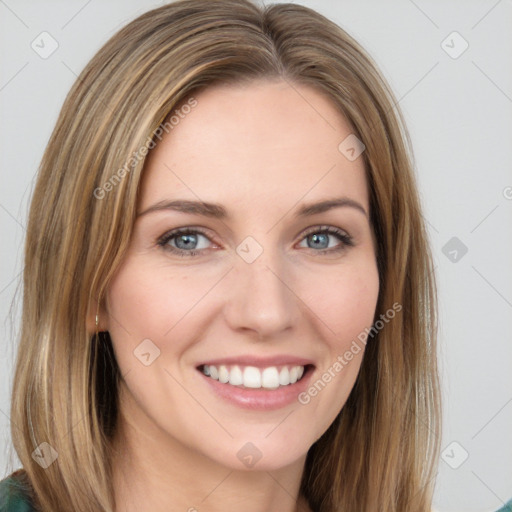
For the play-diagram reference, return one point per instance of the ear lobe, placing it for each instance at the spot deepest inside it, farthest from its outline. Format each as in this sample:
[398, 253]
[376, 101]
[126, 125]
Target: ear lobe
[93, 324]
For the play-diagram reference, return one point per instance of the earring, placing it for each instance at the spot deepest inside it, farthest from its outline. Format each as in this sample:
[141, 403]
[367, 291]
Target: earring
[97, 319]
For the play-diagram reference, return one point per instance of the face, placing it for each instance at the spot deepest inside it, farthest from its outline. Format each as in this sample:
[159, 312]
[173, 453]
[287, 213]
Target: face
[223, 317]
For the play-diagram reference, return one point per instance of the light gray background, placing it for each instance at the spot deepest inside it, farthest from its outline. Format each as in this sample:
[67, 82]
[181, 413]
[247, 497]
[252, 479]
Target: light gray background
[459, 113]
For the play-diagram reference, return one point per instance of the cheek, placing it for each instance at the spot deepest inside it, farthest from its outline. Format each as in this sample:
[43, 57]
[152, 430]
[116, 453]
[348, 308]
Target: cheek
[345, 302]
[144, 302]
[345, 305]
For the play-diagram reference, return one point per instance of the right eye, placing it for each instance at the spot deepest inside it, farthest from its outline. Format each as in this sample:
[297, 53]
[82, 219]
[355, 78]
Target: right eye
[184, 241]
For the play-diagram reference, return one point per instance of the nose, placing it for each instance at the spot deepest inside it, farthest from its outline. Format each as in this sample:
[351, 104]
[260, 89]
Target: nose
[260, 299]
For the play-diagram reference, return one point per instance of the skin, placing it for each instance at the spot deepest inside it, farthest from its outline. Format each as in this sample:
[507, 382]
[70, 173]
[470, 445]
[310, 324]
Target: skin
[261, 150]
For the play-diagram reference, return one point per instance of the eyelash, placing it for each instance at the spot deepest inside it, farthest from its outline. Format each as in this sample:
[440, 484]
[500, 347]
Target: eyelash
[163, 241]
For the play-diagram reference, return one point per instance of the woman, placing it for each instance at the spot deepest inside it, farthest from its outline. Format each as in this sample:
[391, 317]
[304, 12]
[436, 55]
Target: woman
[188, 342]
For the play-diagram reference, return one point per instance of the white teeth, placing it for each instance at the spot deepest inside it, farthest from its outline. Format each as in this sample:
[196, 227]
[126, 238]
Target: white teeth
[223, 374]
[270, 378]
[214, 374]
[284, 377]
[235, 376]
[252, 377]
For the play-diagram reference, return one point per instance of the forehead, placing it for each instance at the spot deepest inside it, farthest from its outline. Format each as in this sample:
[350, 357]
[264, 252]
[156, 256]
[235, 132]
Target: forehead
[270, 144]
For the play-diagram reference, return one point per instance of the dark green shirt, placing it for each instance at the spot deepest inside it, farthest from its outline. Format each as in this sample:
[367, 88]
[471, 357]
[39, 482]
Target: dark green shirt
[13, 498]
[506, 508]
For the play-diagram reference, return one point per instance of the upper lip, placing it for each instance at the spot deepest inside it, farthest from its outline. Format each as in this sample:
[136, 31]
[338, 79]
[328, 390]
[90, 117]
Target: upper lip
[259, 361]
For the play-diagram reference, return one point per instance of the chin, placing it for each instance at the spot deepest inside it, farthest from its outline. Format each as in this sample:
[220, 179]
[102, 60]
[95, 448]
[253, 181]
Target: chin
[261, 454]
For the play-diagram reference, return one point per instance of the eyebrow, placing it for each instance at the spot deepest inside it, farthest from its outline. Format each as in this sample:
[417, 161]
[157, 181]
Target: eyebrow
[218, 211]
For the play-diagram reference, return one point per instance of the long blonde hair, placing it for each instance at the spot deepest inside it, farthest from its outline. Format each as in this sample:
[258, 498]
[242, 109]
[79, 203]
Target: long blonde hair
[381, 452]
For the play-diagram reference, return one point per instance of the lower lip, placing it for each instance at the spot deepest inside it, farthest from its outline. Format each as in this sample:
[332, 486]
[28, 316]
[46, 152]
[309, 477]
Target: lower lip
[260, 399]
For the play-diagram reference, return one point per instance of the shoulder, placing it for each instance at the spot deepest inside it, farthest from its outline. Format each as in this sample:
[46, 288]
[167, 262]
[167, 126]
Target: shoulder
[14, 496]
[507, 507]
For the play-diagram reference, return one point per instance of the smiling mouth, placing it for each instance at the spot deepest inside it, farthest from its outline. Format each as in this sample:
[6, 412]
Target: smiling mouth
[272, 377]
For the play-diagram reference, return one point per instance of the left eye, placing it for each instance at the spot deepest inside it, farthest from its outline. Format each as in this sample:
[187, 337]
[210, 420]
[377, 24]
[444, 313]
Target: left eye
[187, 242]
[319, 238]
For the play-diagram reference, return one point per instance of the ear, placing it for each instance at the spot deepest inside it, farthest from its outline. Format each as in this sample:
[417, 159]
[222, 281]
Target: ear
[90, 321]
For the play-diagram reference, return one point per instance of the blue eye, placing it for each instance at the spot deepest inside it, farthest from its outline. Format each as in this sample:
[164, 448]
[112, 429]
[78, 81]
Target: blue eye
[186, 241]
[319, 238]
